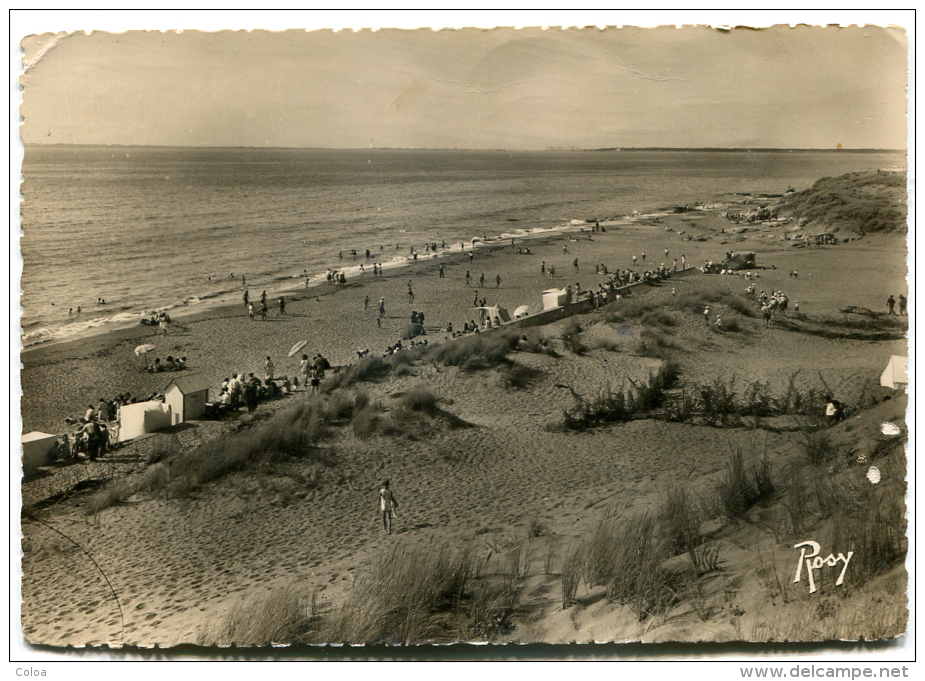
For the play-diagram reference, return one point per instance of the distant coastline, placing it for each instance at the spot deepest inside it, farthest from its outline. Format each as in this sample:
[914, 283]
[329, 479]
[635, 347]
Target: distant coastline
[738, 150]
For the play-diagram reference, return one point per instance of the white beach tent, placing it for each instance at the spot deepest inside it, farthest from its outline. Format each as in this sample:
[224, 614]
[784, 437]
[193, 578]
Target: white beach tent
[895, 375]
[35, 449]
[141, 418]
[554, 297]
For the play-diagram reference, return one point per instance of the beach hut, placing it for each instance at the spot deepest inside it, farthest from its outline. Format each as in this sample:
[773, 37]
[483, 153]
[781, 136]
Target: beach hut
[186, 396]
[554, 297]
[895, 375]
[141, 418]
[35, 450]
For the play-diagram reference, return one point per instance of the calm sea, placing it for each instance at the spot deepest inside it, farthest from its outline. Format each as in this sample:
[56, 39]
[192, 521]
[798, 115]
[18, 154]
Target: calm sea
[162, 228]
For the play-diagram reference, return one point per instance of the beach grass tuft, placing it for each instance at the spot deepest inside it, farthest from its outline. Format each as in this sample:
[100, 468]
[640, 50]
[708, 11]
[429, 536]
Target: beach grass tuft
[414, 596]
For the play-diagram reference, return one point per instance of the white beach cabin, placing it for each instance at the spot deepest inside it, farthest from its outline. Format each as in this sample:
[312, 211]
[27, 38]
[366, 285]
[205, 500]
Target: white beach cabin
[187, 396]
[35, 450]
[553, 298]
[142, 418]
[895, 375]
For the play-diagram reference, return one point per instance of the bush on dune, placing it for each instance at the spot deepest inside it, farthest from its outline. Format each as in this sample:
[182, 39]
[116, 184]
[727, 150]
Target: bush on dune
[571, 337]
[615, 406]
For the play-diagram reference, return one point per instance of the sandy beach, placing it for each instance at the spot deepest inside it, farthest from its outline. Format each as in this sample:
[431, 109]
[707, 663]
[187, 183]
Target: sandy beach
[187, 562]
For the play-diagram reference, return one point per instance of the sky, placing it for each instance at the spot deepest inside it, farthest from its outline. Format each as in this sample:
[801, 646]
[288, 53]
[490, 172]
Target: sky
[796, 87]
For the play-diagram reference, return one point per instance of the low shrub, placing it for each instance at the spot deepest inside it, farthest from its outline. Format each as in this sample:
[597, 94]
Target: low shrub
[571, 337]
[612, 407]
[479, 351]
[718, 402]
[421, 399]
[681, 409]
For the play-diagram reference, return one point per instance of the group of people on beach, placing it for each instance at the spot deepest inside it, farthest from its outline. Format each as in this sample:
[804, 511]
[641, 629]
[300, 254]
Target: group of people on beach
[248, 391]
[264, 307]
[172, 364]
[90, 438]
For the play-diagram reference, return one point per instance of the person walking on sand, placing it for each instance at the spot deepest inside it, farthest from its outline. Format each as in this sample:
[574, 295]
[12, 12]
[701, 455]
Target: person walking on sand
[442, 275]
[903, 303]
[666, 252]
[269, 368]
[482, 280]
[410, 293]
[543, 269]
[891, 303]
[498, 280]
[468, 278]
[382, 307]
[575, 264]
[719, 323]
[366, 303]
[250, 311]
[387, 505]
[634, 261]
[263, 311]
[706, 315]
[282, 306]
[247, 298]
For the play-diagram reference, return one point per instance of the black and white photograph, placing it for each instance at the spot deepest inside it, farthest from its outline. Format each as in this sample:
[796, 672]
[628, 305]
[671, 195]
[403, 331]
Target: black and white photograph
[530, 334]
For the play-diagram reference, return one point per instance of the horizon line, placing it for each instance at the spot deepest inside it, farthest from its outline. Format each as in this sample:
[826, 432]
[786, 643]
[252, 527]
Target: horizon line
[551, 148]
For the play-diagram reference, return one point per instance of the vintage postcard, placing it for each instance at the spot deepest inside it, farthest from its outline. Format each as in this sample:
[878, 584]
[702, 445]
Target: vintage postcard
[414, 337]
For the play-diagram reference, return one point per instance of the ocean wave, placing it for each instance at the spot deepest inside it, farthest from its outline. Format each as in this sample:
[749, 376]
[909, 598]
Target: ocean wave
[45, 333]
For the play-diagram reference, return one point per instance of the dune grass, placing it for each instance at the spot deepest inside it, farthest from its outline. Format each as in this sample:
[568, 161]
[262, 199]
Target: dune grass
[627, 559]
[411, 597]
[739, 487]
[287, 614]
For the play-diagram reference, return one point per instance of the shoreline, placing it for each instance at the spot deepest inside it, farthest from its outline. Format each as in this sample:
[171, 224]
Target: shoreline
[59, 377]
[210, 307]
